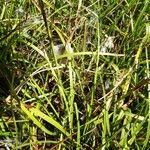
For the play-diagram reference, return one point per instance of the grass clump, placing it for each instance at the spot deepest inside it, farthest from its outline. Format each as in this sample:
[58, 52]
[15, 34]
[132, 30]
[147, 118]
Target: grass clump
[75, 74]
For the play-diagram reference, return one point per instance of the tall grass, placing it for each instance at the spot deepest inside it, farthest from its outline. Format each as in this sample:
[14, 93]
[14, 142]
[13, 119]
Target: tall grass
[75, 74]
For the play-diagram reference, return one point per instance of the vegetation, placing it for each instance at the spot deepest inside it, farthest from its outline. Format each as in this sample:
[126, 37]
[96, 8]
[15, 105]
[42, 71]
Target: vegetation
[75, 74]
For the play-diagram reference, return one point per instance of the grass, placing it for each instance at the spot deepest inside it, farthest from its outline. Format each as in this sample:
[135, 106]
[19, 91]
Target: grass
[94, 94]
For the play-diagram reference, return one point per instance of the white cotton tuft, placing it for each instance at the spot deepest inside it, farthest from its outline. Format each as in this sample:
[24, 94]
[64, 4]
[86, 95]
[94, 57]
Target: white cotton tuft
[69, 48]
[107, 44]
[59, 49]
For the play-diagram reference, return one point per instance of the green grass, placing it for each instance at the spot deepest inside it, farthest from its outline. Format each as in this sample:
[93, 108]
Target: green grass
[96, 97]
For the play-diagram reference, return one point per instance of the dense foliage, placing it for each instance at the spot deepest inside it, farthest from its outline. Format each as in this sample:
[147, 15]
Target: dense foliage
[74, 74]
